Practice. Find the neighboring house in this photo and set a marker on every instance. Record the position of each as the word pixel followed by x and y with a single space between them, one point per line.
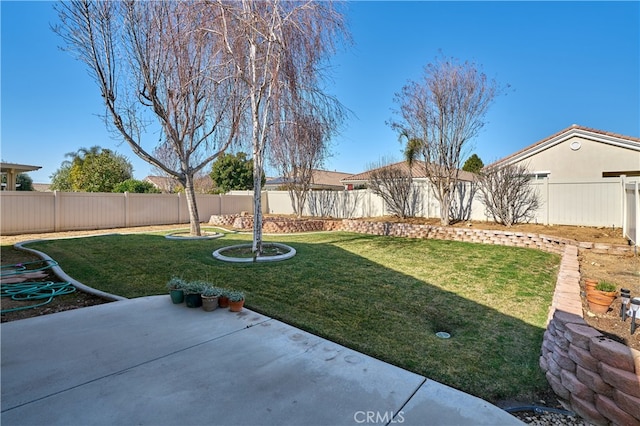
pixel 580 153
pixel 578 175
pixel 12 170
pixel 418 171
pixel 42 187
pixel 320 179
pixel 201 184
pixel 162 183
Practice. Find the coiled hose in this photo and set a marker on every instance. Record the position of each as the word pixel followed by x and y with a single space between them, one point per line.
pixel 34 290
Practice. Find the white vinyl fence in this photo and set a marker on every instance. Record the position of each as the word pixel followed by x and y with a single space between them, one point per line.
pixel 631 211
pixel 582 203
pixel 607 202
pixel 562 202
pixel 35 212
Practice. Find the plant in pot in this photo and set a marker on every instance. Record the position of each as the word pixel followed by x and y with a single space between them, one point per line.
pixel 210 296
pixel 192 294
pixel 236 300
pixel 223 299
pixel 176 289
pixel 601 297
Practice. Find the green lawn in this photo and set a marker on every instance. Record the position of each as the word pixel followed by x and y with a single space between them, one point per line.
pixel 384 296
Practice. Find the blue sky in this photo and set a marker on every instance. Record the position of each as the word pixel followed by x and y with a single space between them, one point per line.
pixel 566 63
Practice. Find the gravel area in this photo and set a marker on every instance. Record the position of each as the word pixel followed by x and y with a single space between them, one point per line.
pixel 549 419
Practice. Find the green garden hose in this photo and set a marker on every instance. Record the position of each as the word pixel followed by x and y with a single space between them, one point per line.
pixel 24 267
pixel 34 290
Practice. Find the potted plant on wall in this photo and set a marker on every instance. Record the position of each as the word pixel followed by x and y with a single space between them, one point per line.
pixel 210 296
pixel 176 289
pixel 601 297
pixel 236 300
pixel 192 294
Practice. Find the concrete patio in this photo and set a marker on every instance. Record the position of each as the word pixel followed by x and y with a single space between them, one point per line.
pixel 146 361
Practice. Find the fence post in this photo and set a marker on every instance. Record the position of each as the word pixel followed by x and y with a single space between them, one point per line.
pixel 547 200
pixel 56 211
pixel 179 206
pixel 636 197
pixel 126 209
pixel 625 226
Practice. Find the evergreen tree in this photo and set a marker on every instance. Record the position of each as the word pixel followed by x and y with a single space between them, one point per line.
pixel 92 170
pixel 232 172
pixel 473 164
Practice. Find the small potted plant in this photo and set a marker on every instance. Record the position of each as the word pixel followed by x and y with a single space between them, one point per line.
pixel 236 300
pixel 176 289
pixel 210 296
pixel 192 294
pixel 223 299
pixel 601 297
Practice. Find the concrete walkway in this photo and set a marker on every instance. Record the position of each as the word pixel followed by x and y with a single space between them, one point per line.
pixel 146 361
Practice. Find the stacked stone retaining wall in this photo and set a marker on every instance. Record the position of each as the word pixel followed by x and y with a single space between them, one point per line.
pixel 594 376
pixel 277 225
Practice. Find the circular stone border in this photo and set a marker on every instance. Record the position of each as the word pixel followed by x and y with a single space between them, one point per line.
pixel 209 236
pixel 218 254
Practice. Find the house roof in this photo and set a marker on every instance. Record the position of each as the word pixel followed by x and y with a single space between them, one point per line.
pixel 614 139
pixel 17 168
pixel 418 171
pixel 319 178
pixel 201 184
pixel 42 187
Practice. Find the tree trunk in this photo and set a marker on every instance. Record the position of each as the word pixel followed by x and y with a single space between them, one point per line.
pixel 194 218
pixel 445 205
pixel 257 206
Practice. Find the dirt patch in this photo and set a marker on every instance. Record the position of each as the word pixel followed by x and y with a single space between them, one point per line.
pixel 624 272
pixel 577 233
pixel 75 300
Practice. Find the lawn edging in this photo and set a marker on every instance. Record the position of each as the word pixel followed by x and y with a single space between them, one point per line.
pixel 57 270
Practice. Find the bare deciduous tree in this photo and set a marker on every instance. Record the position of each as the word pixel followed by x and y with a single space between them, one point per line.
pixel 439 115
pixel 153 61
pixel 300 146
pixel 507 194
pixel 394 184
pixel 279 50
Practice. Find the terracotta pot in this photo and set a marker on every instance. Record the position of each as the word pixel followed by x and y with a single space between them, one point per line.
pixel 223 302
pixel 209 303
pixel 590 285
pixel 599 301
pixel 236 306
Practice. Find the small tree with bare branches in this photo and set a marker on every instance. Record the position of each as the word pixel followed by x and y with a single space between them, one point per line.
pixel 438 116
pixel 300 146
pixel 394 184
pixel 507 194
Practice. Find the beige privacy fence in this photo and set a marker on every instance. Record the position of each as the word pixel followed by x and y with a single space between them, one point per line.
pixel 34 212
pixel 607 202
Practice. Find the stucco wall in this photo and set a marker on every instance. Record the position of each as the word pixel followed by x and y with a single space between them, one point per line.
pixel 587 162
